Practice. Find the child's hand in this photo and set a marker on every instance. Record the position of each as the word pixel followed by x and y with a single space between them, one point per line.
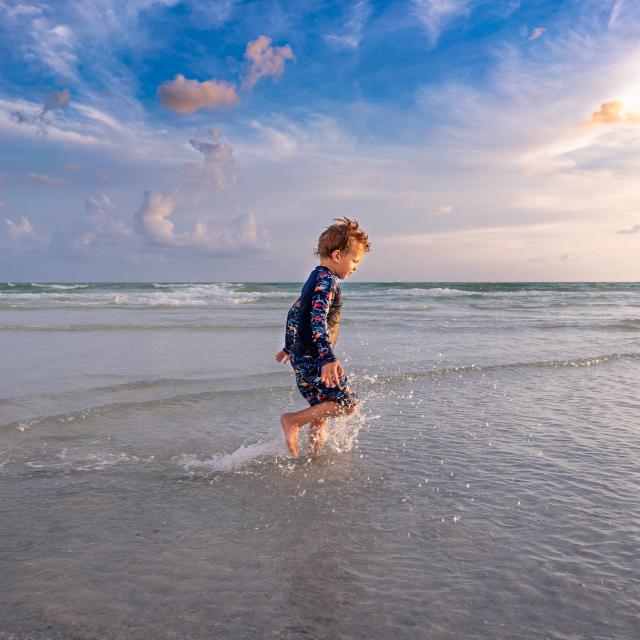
pixel 282 357
pixel 331 374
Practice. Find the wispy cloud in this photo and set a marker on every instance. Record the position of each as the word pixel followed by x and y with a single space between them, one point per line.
pixel 187 96
pixel 351 34
pixel 44 180
pixel 436 15
pixel 38 117
pixel 210 14
pixel 536 33
pixel 53 45
pixel 265 60
pixel 216 172
pixel 632 229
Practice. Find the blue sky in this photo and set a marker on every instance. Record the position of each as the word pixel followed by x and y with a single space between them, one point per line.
pixel 167 140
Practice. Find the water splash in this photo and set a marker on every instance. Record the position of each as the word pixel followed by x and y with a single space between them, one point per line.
pixel 241 457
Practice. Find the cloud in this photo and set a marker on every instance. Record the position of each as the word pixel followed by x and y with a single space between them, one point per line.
pixel 152 218
pixel 56 100
pixel 53 45
pixel 100 117
pixel 187 96
pixel 38 118
pixel 25 228
pixel 536 33
pixel 376 180
pixel 353 31
pixel 216 172
pixel 238 235
pixel 633 229
pixel 229 235
pixel 45 180
pixel 444 209
pixel 99 224
pixel 210 14
pixel 23 235
pixel 436 15
pixel 611 113
pixel 265 60
pixel 284 143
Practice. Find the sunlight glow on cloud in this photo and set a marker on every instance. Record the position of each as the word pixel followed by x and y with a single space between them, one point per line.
pixel 187 96
pixel 265 60
pixel 611 113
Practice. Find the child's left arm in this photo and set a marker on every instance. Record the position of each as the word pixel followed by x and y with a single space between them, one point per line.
pixel 290 333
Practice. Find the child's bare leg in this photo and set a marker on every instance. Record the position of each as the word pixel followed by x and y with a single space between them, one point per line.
pixel 293 422
pixel 317 436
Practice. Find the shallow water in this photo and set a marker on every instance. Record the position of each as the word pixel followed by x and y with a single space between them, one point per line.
pixel 488 489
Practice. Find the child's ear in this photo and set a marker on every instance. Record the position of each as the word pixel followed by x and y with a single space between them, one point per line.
pixel 336 255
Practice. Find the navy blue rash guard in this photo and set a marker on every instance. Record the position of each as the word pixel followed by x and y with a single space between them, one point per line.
pixel 313 321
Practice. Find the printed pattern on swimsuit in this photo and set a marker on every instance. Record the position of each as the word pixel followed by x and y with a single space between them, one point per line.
pixel 313 390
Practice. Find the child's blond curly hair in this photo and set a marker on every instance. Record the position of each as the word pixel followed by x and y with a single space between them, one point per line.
pixel 344 234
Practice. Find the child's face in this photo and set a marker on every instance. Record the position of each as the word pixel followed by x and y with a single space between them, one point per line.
pixel 344 264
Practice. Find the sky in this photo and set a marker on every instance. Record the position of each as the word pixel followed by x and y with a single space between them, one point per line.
pixel 192 140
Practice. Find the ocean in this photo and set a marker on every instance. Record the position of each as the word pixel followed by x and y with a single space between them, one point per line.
pixel 488 488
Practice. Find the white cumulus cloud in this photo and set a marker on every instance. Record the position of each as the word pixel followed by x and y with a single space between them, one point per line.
pixel 236 235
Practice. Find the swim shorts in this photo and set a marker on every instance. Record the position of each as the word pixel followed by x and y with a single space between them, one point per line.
pixel 313 390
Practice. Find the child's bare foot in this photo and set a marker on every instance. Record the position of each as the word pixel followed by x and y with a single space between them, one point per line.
pixel 290 432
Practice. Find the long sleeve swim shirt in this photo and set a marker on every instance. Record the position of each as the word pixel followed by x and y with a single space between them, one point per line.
pixel 314 319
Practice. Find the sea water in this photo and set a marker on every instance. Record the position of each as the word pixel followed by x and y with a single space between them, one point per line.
pixel 488 488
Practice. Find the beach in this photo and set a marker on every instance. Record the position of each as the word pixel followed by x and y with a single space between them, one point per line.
pixel 488 487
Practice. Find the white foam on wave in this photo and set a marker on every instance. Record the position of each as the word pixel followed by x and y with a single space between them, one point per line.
pixel 194 295
pixel 59 286
pixel 169 295
pixel 413 292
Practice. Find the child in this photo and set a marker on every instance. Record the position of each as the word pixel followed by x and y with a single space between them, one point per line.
pixel 312 328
